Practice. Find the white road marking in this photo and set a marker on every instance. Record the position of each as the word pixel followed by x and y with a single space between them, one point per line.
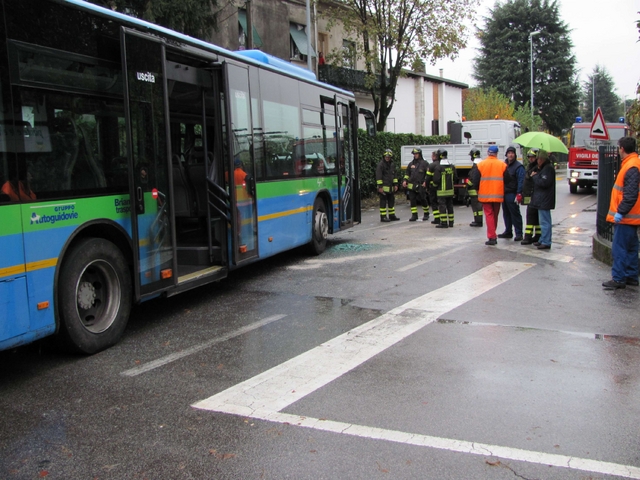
pixel 534 252
pixel 461 446
pixel 265 395
pixel 430 259
pixel 197 348
pixel 275 389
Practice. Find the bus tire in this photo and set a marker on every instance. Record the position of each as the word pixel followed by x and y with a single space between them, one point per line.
pixel 573 188
pixel 94 295
pixel 319 228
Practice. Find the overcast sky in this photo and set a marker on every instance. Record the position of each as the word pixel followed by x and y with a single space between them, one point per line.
pixel 603 32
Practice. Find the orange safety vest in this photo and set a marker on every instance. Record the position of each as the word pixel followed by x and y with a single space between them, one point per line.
pixel 491 188
pixel 633 217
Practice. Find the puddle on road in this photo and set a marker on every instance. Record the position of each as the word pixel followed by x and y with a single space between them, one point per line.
pixel 629 340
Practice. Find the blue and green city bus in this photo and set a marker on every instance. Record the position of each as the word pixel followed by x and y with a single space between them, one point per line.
pixel 137 162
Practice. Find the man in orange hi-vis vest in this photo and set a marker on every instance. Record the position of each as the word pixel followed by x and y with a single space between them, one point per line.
pixel 624 212
pixel 491 191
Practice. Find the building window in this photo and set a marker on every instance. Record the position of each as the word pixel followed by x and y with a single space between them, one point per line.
pixel 349 53
pixel 242 29
pixel 298 43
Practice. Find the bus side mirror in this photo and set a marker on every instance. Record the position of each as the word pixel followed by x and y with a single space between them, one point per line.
pixel 370 121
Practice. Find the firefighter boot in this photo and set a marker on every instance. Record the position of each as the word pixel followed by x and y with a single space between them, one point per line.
pixel 527 240
pixel 425 218
pixel 414 217
pixel 383 218
pixel 451 224
pixel 393 218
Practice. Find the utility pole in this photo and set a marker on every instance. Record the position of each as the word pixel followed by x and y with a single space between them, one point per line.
pixel 249 32
pixel 531 63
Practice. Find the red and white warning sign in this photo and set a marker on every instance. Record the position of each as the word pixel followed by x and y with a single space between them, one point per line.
pixel 598 127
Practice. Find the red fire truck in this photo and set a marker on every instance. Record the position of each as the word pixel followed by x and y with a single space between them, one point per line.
pixel 582 169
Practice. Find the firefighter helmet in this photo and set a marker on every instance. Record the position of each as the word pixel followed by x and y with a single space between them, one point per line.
pixel 441 153
pixel 532 153
pixel 388 153
pixel 474 153
pixel 416 150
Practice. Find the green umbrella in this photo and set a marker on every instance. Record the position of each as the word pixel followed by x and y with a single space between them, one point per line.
pixel 541 140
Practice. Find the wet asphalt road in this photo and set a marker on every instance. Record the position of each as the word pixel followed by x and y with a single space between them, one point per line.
pixel 539 368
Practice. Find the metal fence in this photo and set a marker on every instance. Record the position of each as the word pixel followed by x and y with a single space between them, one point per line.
pixel 608 167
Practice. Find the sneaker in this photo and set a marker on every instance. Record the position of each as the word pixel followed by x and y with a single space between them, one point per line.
pixel 491 241
pixel 632 282
pixel 613 285
pixel 505 235
pixel 393 218
pixel 518 238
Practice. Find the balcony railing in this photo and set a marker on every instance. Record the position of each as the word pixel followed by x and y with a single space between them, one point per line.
pixel 347 78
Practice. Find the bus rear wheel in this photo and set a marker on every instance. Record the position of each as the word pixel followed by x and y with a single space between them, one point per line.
pixel 319 228
pixel 94 294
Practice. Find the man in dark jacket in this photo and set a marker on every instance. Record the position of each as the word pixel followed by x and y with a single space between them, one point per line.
pixel 444 179
pixel 415 183
pixel 472 188
pixel 512 197
pixel 431 188
pixel 532 228
pixel 387 183
pixel 544 197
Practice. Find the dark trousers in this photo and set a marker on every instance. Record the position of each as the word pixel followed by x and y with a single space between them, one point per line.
pixel 533 223
pixel 476 206
pixel 624 250
pixel 387 204
pixel 418 197
pixel 511 214
pixel 445 208
pixel 433 200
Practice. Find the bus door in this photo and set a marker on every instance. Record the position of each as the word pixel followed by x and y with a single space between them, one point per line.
pixel 146 115
pixel 347 177
pixel 240 168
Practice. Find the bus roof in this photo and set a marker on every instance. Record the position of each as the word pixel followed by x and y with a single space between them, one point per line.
pixel 254 57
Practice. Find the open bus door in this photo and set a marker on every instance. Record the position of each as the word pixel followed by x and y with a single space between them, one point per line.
pixel 149 187
pixel 240 168
pixel 349 197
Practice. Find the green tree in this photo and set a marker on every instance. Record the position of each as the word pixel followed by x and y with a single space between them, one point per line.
pixel 605 98
pixel 482 104
pixel 633 112
pixel 504 59
pixel 479 104
pixel 390 35
pixel 195 18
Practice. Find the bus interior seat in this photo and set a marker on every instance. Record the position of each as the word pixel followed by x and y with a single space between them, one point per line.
pixel 182 196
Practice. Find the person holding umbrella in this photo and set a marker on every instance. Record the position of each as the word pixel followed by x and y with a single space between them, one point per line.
pixel 544 197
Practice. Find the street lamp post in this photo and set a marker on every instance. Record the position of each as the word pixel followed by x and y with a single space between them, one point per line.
pixel 531 63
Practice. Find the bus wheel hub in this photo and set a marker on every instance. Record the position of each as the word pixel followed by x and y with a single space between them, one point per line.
pixel 86 295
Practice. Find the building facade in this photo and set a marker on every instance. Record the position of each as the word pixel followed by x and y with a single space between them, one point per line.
pixel 424 103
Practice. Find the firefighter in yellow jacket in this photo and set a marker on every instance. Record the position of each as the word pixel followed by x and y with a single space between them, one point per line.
pixel 444 179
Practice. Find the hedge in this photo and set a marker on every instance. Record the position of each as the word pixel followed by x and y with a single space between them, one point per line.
pixel 370 150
